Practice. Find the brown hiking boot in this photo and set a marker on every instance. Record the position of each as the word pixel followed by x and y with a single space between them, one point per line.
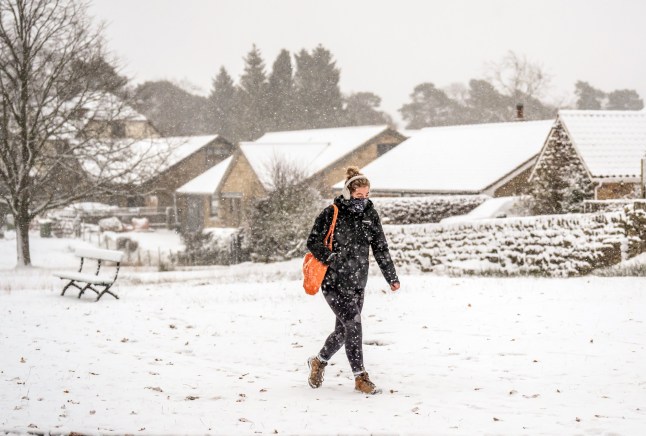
pixel 363 384
pixel 317 368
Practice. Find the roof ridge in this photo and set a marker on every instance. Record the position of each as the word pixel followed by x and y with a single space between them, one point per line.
pixel 488 125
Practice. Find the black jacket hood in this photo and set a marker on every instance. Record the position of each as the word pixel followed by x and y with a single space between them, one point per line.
pixel 354 234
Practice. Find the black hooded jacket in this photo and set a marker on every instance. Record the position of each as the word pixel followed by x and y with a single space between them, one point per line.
pixel 354 234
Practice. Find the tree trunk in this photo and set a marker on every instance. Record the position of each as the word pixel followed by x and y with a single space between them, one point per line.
pixel 22 239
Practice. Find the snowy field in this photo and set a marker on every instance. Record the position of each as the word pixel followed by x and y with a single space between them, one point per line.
pixel 222 350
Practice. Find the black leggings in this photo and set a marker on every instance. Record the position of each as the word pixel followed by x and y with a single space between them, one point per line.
pixel 346 305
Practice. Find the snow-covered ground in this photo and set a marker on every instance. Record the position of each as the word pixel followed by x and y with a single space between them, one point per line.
pixel 222 350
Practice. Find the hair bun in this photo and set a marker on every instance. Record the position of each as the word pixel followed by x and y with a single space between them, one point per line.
pixel 351 172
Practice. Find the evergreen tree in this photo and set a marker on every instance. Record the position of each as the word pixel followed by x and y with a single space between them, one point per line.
pixel 223 107
pixel 362 108
pixel 560 182
pixel 430 107
pixel 588 97
pixel 319 100
pixel 102 75
pixel 172 110
pixel 253 96
pixel 281 94
pixel 624 99
pixel 536 109
pixel 486 104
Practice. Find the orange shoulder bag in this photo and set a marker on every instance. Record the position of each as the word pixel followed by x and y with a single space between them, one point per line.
pixel 313 269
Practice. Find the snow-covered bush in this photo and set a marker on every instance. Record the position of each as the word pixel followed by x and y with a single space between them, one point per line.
pixel 634 225
pixel 420 210
pixel 126 244
pixel 210 247
pixel 280 223
pixel 556 245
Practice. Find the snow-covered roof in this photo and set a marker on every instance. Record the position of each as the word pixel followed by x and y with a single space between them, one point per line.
pixel 493 208
pixel 308 150
pixel 611 143
pixel 92 106
pixel 173 150
pixel 467 158
pixel 408 132
pixel 109 107
pixel 148 157
pixel 207 183
pixel 103 106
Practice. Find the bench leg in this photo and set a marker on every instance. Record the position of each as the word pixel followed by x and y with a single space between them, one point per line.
pixel 107 291
pixel 71 283
pixel 88 286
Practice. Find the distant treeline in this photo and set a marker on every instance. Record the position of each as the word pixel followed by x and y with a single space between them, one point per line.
pixel 302 92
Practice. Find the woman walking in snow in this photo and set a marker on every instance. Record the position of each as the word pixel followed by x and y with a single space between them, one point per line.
pixel 357 229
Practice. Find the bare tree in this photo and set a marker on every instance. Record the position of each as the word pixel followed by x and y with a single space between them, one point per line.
pixel 54 125
pixel 518 77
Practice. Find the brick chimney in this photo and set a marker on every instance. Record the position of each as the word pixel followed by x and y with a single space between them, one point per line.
pixel 520 114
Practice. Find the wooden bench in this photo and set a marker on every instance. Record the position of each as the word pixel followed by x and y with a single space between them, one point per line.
pixel 98 283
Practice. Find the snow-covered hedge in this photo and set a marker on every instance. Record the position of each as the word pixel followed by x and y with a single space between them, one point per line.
pixel 212 246
pixel 419 210
pixel 555 245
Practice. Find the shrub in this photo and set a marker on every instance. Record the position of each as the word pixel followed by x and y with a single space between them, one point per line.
pixel 280 223
pixel 202 248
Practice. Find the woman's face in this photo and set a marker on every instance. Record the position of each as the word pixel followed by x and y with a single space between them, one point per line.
pixel 361 192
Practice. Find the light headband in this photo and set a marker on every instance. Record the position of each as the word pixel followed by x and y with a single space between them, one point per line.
pixel 346 191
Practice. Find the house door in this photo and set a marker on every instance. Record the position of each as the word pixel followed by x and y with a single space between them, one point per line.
pixel 195 215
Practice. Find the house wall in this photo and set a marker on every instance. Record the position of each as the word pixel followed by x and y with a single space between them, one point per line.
pixel 241 185
pixel 140 130
pixel 163 186
pixel 516 186
pixel 121 129
pixel 361 157
pixel 618 190
pixel 238 189
pixel 559 168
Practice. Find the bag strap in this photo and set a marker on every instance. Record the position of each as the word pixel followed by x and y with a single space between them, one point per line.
pixel 330 233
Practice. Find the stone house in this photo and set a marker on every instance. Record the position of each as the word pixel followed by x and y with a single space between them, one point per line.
pixel 172 162
pixel 493 159
pixel 221 197
pixel 105 116
pixel 607 149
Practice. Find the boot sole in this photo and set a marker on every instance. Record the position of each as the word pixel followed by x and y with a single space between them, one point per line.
pixel 309 366
pixel 375 392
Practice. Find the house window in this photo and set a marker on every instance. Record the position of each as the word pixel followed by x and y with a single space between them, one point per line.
pixel 118 129
pixel 152 201
pixel 215 202
pixel 232 206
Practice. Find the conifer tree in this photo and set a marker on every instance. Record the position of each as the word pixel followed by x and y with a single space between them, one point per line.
pixel 362 108
pixel 224 105
pixel 487 104
pixel 253 96
pixel 429 107
pixel 319 99
pixel 281 97
pixel 560 182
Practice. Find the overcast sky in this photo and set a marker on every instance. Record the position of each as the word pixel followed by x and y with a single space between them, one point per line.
pixel 383 46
